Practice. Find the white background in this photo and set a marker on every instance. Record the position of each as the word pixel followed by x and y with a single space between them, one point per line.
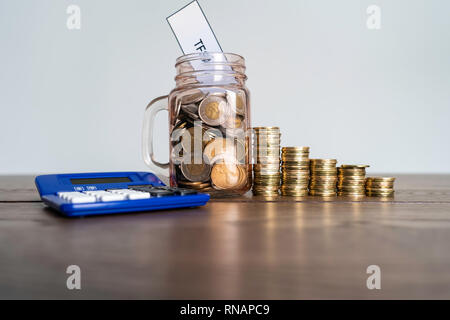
pixel 73 100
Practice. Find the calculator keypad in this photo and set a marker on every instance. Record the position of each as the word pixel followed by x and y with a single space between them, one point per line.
pixel 106 196
pixel 132 193
pixel 77 197
pixel 164 190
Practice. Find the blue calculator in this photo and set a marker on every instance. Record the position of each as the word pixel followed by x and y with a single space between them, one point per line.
pixel 82 194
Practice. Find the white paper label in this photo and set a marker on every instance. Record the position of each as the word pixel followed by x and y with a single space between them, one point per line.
pixel 192 30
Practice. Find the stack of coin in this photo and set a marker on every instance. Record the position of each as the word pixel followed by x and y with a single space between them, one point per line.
pixel 380 186
pixel 351 179
pixel 323 177
pixel 266 169
pixel 295 171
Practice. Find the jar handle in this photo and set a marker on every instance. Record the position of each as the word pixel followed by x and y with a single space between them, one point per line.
pixel 155 106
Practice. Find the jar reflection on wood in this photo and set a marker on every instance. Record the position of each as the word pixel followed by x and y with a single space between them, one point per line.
pixel 209 123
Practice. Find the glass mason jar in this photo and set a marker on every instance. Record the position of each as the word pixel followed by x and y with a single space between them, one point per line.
pixel 209 123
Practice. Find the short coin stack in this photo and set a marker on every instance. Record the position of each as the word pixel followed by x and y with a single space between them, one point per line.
pixel 380 186
pixel 295 171
pixel 351 180
pixel 323 177
pixel 266 169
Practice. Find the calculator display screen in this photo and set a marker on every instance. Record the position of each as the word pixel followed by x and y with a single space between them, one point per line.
pixel 100 180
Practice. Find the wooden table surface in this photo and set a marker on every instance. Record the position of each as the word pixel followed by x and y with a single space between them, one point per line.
pixel 239 248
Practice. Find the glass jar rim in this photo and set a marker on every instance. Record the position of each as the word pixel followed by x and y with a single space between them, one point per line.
pixel 209 54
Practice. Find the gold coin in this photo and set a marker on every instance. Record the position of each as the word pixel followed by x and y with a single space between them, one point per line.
pixel 351 166
pixel 212 110
pixel 292 188
pixel 323 161
pixel 359 186
pixel 273 148
pixel 267 162
pixel 295 176
pixel 259 166
pixel 225 176
pixel 379 189
pixel 273 176
pixel 295 164
pixel 380 194
pixel 351 170
pixel 294 193
pixel 351 188
pixel 295 149
pixel 266 128
pixel 323 178
pixel 389 185
pixel 380 179
pixel 349 194
pixel 352 181
pixel 322 194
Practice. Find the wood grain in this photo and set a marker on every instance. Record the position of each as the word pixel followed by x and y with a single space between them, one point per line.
pixel 245 248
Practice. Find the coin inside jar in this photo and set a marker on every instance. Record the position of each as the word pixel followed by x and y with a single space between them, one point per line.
pixel 192 96
pixel 233 122
pixel 225 175
pixel 191 110
pixel 236 102
pixel 240 104
pixel 192 139
pixel 219 146
pixel 196 172
pixel 242 176
pixel 212 110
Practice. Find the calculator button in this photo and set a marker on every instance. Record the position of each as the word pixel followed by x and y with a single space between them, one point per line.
pixel 83 199
pixel 161 193
pixel 76 197
pixel 141 188
pixel 138 195
pixel 185 192
pixel 106 196
pixel 180 191
pixel 131 194
pixel 112 197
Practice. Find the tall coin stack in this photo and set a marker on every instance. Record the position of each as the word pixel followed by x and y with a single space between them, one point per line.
pixel 380 186
pixel 351 180
pixel 323 177
pixel 266 170
pixel 294 171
